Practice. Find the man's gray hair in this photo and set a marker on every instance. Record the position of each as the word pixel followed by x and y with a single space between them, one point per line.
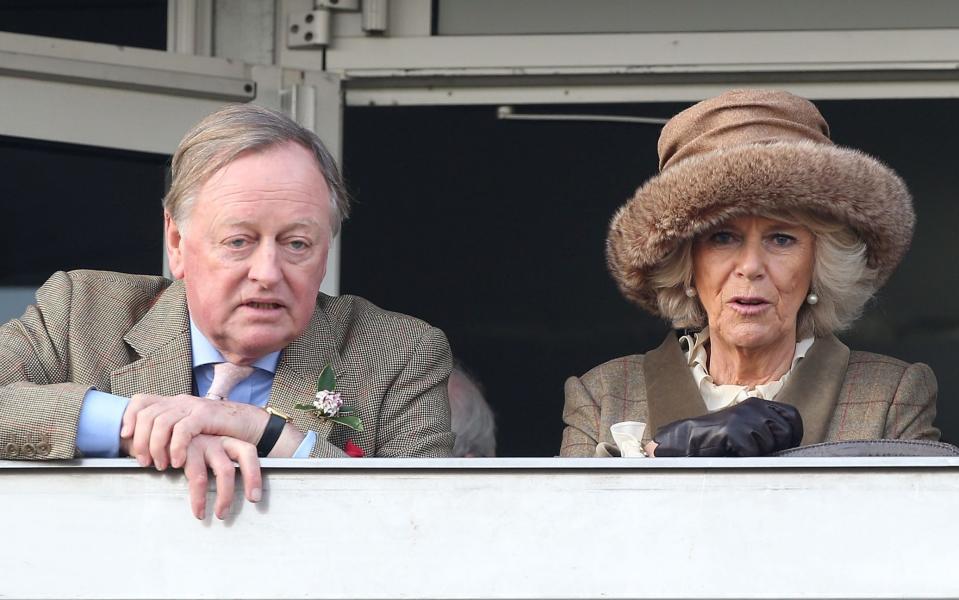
pixel 222 137
pixel 473 421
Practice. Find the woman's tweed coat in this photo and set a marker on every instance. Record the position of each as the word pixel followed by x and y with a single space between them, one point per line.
pixel 841 396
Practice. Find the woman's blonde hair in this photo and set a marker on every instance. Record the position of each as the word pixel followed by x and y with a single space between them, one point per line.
pixel 841 278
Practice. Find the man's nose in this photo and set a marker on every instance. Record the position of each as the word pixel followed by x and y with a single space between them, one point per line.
pixel 264 265
pixel 751 261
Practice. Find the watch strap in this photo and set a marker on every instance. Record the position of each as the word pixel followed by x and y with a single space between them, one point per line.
pixel 272 432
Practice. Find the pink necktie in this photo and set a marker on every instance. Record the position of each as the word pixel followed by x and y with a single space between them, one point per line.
pixel 225 377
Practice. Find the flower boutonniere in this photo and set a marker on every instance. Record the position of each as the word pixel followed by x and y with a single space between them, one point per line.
pixel 328 405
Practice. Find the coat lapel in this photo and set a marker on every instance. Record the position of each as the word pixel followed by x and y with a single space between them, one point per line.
pixel 671 392
pixel 162 340
pixel 814 386
pixel 299 368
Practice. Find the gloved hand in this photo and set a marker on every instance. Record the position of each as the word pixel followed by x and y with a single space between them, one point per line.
pixel 754 427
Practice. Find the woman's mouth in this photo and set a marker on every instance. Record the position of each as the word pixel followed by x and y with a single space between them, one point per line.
pixel 749 305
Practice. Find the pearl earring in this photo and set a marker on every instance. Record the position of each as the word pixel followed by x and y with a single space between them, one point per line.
pixel 690 292
pixel 812 298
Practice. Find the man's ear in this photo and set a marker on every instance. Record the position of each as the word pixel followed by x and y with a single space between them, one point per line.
pixel 173 241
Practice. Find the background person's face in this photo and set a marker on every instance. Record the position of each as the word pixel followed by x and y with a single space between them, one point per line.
pixel 253 251
pixel 752 275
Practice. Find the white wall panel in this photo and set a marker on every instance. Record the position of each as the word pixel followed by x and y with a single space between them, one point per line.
pixel 490 528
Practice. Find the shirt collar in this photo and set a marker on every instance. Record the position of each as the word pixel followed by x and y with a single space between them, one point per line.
pixel 719 396
pixel 205 353
pixel 695 348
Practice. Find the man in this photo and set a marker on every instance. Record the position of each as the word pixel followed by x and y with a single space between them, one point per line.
pixel 472 418
pixel 106 364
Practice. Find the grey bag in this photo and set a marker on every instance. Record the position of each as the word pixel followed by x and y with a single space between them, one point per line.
pixel 873 448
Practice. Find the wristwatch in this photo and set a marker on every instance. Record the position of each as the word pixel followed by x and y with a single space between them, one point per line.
pixel 274 427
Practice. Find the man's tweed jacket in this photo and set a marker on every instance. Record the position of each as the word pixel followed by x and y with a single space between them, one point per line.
pixel 127 334
pixel 841 395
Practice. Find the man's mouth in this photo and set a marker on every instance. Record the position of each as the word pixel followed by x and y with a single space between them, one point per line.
pixel 263 305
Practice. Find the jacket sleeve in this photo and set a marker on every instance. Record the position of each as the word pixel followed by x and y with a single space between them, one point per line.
pixel 581 414
pixel 414 415
pixel 39 409
pixel 913 407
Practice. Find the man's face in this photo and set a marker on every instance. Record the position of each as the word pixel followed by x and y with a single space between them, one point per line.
pixel 252 252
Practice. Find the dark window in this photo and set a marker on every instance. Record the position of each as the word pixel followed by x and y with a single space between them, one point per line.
pixel 139 23
pixel 494 231
pixel 67 206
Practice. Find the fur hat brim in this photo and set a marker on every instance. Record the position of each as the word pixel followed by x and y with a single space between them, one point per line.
pixel 706 190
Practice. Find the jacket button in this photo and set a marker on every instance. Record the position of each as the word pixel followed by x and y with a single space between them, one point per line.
pixel 43 448
pixel 29 450
pixel 12 449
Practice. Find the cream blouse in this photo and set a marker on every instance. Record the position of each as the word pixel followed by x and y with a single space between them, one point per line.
pixel 721 396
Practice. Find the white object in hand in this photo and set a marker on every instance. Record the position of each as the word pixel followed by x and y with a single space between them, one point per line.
pixel 629 438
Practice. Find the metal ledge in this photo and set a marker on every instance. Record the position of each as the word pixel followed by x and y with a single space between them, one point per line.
pixel 541 464
pixel 147 79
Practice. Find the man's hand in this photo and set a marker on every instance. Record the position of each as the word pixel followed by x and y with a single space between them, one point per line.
pixel 754 427
pixel 159 429
pixel 218 453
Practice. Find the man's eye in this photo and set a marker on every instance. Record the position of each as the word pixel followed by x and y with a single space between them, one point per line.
pixel 236 243
pixel 298 245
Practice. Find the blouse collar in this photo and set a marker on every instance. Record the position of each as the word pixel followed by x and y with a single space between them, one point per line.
pixel 721 396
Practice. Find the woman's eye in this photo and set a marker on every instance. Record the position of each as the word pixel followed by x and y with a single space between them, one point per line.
pixel 721 237
pixel 783 239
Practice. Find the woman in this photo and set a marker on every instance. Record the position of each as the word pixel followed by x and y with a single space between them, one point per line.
pixel 761 239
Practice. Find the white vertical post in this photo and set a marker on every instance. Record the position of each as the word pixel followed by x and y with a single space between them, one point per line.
pixel 317 104
pixel 190 27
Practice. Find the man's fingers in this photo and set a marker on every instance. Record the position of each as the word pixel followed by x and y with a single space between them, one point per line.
pixel 225 474
pixel 163 425
pixel 180 439
pixel 245 454
pixel 137 403
pixel 197 479
pixel 141 434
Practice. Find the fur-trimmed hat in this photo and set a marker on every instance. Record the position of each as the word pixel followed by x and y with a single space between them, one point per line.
pixel 750 151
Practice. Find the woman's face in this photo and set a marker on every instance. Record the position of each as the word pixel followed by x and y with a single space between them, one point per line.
pixel 752 275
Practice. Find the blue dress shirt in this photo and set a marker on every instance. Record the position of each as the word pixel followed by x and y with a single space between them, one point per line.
pixel 98 431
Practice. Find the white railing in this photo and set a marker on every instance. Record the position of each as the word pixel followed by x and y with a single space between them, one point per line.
pixel 490 528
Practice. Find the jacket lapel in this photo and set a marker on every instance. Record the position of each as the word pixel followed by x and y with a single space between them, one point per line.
pixel 162 340
pixel 299 368
pixel 671 392
pixel 813 388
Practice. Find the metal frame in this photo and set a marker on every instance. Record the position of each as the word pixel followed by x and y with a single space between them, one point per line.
pixel 102 95
pixel 515 69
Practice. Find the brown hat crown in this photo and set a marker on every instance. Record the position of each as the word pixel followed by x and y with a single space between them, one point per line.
pixel 740 117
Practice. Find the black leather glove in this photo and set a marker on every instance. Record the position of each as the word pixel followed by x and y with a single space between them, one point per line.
pixel 754 427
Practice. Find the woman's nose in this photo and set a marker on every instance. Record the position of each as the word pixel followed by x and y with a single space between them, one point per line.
pixel 751 262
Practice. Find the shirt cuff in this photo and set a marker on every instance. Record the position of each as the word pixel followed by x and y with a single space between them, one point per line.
pixel 98 430
pixel 306 446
